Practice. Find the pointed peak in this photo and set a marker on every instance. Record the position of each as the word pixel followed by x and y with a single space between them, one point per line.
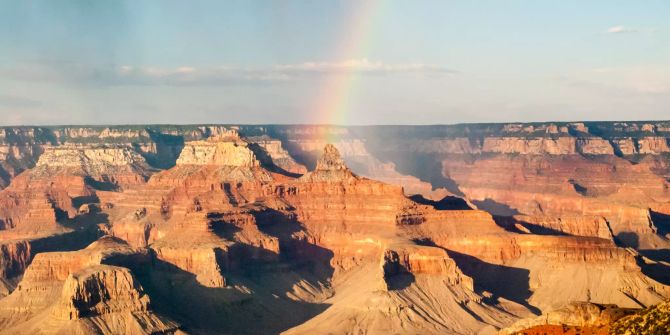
pixel 330 160
pixel 330 168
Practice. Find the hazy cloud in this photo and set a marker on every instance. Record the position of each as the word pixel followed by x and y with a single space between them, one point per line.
pixel 621 30
pixel 110 75
pixel 361 66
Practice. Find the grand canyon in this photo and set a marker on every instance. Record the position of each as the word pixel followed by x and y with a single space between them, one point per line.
pixel 500 228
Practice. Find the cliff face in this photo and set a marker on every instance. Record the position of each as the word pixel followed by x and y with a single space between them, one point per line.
pixel 399 229
pixel 567 188
pixel 78 293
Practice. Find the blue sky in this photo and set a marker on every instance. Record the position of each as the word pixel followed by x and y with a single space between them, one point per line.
pixel 411 62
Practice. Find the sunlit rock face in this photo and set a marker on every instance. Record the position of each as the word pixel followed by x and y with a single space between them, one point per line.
pixel 214 152
pixel 460 229
pixel 79 293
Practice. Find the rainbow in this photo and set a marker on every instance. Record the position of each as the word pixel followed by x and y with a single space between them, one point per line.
pixel 333 101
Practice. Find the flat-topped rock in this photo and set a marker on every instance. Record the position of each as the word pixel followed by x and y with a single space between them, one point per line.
pixel 90 157
pixel 218 151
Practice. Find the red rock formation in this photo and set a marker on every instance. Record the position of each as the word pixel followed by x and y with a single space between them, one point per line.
pixel 74 291
pixel 98 290
pixel 577 225
pixel 564 188
pixel 277 155
pixel 232 224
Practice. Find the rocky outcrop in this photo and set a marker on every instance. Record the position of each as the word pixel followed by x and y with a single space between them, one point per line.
pixel 219 152
pixel 106 166
pixel 625 146
pixel 565 187
pixel 594 146
pixel 653 145
pixel 207 264
pixel 652 320
pixel 528 146
pixel 417 259
pixel 583 317
pixel 78 293
pixel 576 314
pixel 14 258
pixel 278 156
pixel 578 225
pixel 99 290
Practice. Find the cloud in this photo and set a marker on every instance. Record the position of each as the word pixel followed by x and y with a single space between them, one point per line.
pixel 114 75
pixel 361 66
pixel 622 30
pixel 628 30
pixel 188 75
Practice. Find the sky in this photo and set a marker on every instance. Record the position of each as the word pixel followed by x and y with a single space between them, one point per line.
pixel 354 62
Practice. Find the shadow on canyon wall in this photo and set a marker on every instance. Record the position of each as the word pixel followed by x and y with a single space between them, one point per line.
pixel 657 263
pixel 259 283
pixel 446 203
pixel 658 270
pixel 495 208
pixel 426 167
pixel 510 223
pixel 502 281
pixel 267 163
pixel 168 148
pixel 627 239
pixel 661 221
pixel 251 307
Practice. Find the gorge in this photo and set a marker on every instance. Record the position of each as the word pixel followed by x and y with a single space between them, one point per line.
pixel 300 229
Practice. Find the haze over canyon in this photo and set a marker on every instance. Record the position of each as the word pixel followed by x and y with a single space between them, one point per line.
pixel 531 228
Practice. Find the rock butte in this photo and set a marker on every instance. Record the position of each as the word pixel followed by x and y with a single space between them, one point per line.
pixel 471 229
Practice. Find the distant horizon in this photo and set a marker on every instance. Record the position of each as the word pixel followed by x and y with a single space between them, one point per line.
pixel 321 125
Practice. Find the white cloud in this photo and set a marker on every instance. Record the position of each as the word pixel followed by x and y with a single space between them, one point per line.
pixel 621 30
pixel 110 75
pixel 361 66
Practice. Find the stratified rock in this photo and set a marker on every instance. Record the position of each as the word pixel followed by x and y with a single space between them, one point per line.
pixel 278 155
pixel 653 145
pixel 117 164
pixel 228 239
pixel 330 167
pixel 75 292
pixel 215 152
pixel 577 225
pixel 417 259
pixel 98 290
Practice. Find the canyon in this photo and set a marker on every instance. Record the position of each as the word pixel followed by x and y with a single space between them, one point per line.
pixel 301 229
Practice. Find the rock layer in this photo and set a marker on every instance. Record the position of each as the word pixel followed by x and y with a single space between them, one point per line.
pixel 226 229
